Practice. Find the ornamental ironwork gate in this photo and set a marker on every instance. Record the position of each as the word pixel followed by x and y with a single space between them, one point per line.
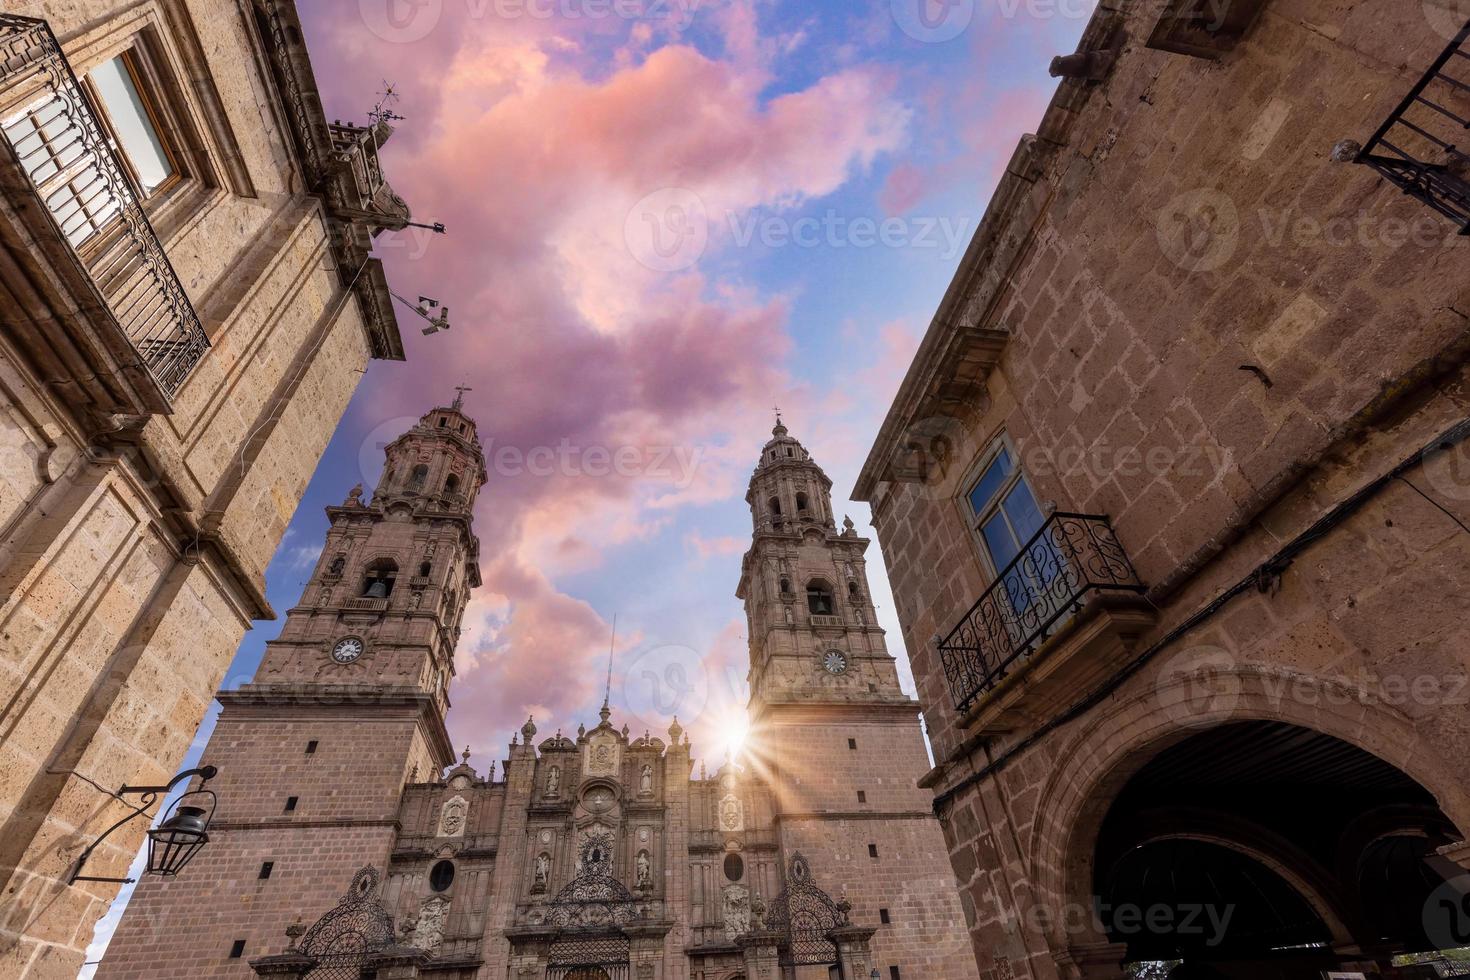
pixel 343 938
pixel 803 915
pixel 589 958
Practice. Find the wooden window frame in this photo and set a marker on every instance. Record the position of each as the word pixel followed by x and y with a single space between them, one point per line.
pixel 134 60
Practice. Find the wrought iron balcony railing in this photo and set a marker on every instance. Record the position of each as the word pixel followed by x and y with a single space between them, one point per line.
pixel 1421 147
pixel 74 170
pixel 1071 558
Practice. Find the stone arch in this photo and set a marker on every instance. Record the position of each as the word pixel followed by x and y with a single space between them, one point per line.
pixel 1092 767
pixel 1274 853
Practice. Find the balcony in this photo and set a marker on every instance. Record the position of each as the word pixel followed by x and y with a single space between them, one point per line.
pixel 1421 148
pixel 1066 580
pixel 79 209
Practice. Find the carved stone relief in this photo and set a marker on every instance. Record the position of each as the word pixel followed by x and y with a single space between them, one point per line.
pixel 602 754
pixel 737 911
pixel 452 817
pixel 732 813
pixel 429 932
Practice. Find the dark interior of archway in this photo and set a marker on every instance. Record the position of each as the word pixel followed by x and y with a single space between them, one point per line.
pixel 1357 826
pixel 1182 899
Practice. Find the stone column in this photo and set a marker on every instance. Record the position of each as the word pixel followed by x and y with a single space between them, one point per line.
pixel 853 951
pixel 762 955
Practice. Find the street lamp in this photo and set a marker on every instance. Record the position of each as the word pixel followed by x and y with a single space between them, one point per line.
pixel 175 841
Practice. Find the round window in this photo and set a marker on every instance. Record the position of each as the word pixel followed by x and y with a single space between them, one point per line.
pixel 441 876
pixel 734 867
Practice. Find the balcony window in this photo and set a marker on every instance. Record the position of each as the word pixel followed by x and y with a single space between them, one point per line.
pixel 55 154
pixel 133 121
pixel 93 151
pixel 1005 515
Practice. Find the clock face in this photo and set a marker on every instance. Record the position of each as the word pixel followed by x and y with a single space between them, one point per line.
pixel 348 650
pixel 835 662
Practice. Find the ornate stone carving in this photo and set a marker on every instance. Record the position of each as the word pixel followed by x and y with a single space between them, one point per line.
pixel 732 814
pixel 429 932
pixel 645 871
pixel 594 898
pixel 553 781
pixel 602 754
pixel 452 817
pixel 541 874
pixel 737 911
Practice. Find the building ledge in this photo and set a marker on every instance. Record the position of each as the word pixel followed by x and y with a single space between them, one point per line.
pixel 1090 647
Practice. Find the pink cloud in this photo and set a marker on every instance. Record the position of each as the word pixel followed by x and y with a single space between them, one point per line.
pixel 571 344
pixel 721 547
pixel 902 189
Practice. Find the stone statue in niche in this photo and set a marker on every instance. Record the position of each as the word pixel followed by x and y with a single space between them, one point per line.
pixel 452 817
pixel 553 781
pixel 737 911
pixel 339 564
pixel 645 782
pixel 645 871
pixel 429 932
pixel 542 873
pixel 790 616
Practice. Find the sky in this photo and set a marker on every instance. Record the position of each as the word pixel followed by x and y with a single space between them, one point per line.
pixel 664 218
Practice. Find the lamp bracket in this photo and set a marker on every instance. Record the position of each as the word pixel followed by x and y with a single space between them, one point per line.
pixel 150 795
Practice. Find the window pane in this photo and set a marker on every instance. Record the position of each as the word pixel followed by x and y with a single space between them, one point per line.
pixel 990 482
pixel 1001 542
pixel 140 141
pixel 1020 506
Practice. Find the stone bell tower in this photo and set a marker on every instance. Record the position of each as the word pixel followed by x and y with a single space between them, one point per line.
pixel 347 706
pixel 814 637
pixel 832 730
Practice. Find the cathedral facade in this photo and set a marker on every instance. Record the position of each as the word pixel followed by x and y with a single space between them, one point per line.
pixel 350 841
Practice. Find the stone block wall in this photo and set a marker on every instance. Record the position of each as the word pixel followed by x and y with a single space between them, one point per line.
pixel 130 567
pixel 1217 335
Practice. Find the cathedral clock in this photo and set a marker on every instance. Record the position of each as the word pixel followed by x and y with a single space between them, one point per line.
pixel 835 662
pixel 347 650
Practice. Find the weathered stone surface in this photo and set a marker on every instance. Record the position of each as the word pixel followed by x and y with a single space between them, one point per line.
pixel 133 550
pixel 1217 336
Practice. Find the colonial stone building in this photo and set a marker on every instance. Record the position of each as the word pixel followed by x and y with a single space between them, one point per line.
pixel 596 854
pixel 187 302
pixel 1174 502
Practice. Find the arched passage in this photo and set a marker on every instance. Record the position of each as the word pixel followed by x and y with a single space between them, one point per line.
pixel 1240 848
pixel 1092 768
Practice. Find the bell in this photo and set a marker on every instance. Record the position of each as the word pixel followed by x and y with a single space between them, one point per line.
pixel 378 589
